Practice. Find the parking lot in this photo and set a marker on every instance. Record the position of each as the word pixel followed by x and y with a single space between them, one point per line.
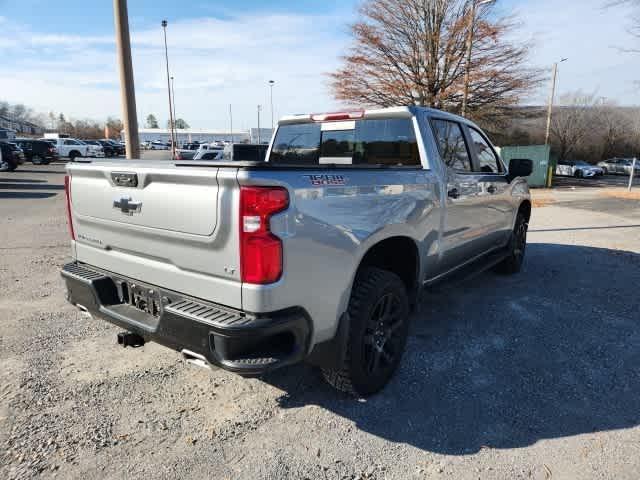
pixel 531 376
pixel 604 181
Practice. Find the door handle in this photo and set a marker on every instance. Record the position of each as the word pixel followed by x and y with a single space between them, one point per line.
pixel 492 189
pixel 453 193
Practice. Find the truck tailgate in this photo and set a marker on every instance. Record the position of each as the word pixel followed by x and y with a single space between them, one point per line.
pixel 161 224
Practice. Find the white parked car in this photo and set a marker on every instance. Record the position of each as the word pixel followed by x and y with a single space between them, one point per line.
pixel 157 145
pixel 73 148
pixel 578 169
pixel 619 166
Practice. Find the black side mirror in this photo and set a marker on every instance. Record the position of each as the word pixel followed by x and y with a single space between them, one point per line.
pixel 520 167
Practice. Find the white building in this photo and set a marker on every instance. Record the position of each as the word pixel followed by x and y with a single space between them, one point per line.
pixel 195 135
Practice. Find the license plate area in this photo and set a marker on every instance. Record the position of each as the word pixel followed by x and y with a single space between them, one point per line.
pixel 145 299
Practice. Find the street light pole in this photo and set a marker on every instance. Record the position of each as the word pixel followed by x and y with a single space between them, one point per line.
pixel 127 88
pixel 552 97
pixel 231 122
pixel 467 72
pixel 175 116
pixel 271 82
pixel 166 56
pixel 259 108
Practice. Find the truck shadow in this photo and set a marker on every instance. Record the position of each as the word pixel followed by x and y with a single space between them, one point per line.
pixel 503 362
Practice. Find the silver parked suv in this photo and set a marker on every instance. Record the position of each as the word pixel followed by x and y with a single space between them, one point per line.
pixel 317 253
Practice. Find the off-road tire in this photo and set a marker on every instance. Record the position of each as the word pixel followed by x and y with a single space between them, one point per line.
pixel 517 248
pixel 371 288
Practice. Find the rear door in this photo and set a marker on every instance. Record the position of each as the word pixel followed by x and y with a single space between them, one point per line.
pixel 465 231
pixel 164 225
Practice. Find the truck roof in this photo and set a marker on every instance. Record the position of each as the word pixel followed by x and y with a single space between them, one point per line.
pixel 373 113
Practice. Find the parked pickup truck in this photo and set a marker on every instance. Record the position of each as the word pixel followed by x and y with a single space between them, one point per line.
pixel 194 150
pixel 317 254
pixel 72 148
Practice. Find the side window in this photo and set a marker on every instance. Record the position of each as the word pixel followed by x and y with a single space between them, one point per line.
pixel 487 159
pixel 209 156
pixel 452 145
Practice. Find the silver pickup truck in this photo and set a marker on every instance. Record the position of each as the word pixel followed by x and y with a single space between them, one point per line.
pixel 317 254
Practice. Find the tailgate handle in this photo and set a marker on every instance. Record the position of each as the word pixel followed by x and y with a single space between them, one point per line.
pixel 127 205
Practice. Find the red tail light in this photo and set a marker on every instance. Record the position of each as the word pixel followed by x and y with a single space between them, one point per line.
pixel 260 250
pixel 67 193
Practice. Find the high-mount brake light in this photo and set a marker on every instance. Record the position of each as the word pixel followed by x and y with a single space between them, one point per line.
pixel 337 116
pixel 67 193
pixel 260 250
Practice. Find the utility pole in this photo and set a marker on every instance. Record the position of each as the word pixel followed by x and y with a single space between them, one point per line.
pixel 171 124
pixel 552 97
pixel 175 116
pixel 271 82
pixel 467 72
pixel 127 88
pixel 633 171
pixel 259 108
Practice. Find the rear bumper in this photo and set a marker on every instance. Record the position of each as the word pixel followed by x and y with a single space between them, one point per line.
pixel 237 341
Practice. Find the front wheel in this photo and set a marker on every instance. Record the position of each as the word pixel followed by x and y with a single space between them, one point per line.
pixel 379 325
pixel 517 246
pixel 605 171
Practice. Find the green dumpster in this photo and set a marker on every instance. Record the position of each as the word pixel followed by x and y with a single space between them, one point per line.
pixel 538 154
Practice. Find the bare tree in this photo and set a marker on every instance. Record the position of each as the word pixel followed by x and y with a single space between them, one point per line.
pixel 615 127
pixel 571 122
pixel 412 52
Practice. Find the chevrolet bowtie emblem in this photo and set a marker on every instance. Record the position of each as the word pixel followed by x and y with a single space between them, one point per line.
pixel 127 205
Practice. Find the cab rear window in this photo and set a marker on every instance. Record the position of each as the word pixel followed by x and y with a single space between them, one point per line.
pixel 384 142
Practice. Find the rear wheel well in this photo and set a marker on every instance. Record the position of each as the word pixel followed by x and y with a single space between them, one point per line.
pixel 398 255
pixel 525 209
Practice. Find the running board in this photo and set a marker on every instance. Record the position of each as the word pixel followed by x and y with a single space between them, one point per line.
pixel 469 271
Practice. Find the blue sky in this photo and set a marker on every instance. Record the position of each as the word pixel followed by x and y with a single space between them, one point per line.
pixel 60 55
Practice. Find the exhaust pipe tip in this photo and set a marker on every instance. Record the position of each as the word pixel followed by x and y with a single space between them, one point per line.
pixel 84 311
pixel 196 359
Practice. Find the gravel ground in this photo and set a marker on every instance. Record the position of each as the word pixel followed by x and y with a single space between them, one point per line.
pixel 531 376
